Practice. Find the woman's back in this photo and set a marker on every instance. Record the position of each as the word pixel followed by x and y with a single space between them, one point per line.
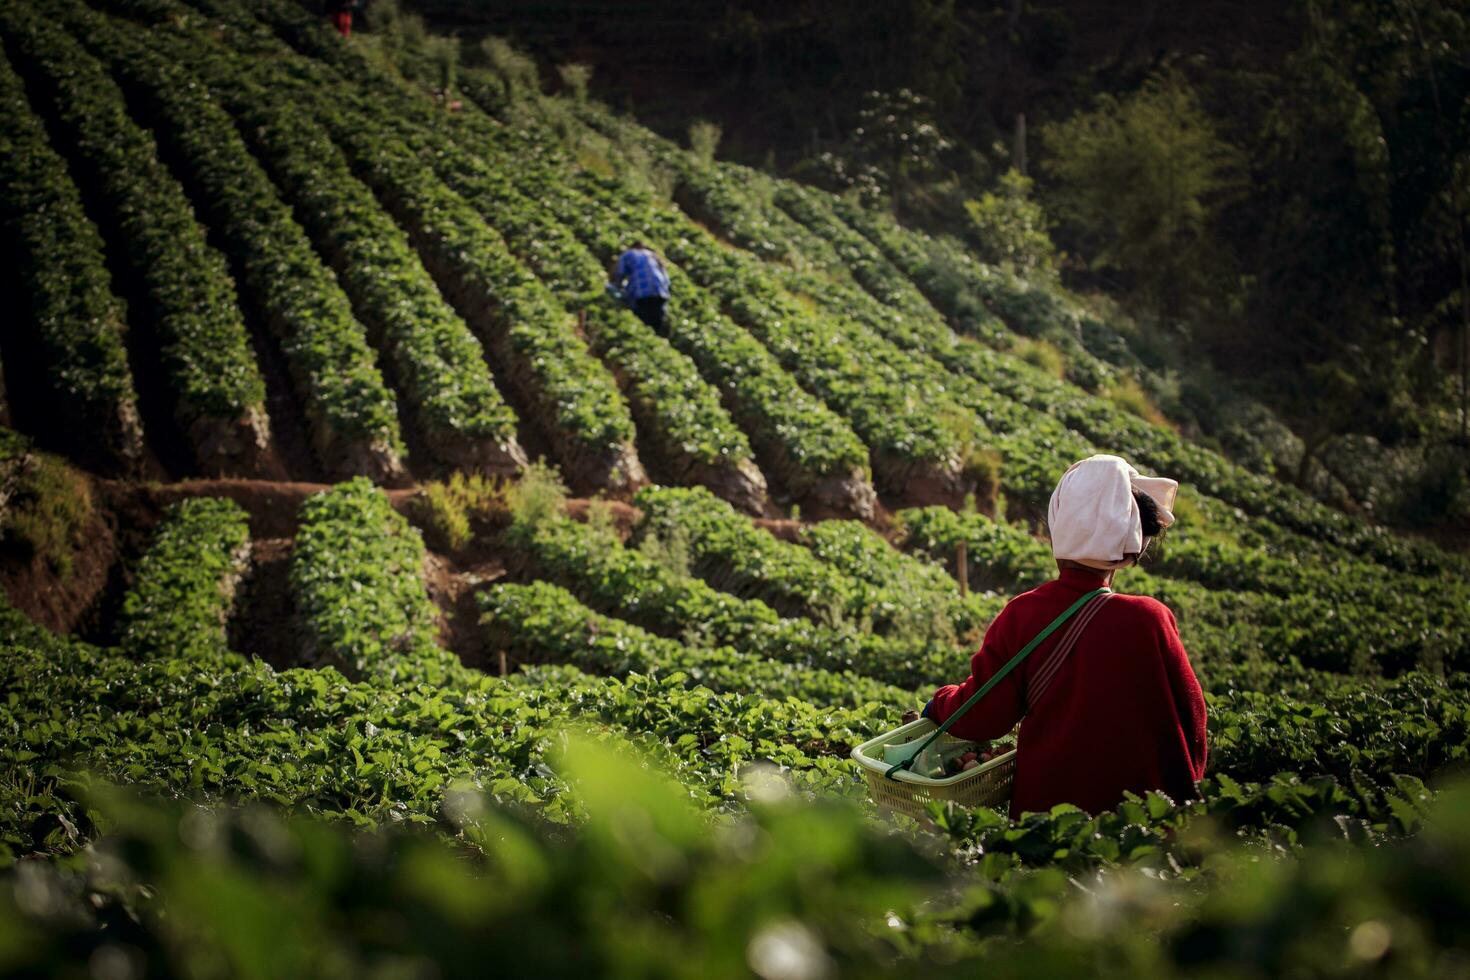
pixel 1123 712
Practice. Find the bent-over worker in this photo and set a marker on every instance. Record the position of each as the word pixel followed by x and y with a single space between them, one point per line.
pixel 341 12
pixel 1120 709
pixel 640 275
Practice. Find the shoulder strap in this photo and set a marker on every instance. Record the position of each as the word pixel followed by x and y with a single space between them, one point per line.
pixel 1042 678
pixel 999 675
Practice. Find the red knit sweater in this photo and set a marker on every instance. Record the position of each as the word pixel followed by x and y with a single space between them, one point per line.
pixel 1125 712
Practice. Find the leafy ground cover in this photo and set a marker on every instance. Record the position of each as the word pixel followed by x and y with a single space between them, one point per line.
pixel 353 415
pixel 1336 617
pixel 356 569
pixel 438 361
pixel 184 588
pixel 542 621
pixel 659 783
pixel 677 412
pixel 807 446
pixel 648 586
pixel 219 394
pixel 55 260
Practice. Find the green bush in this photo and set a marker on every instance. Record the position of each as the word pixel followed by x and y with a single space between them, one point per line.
pixel 704 139
pixel 1129 395
pixel 184 587
pixel 47 513
pixel 449 508
pixel 575 78
pixel 645 887
pixel 1141 178
pixel 517 71
pixel 538 496
pixel 1012 229
pixel 1041 354
pixel 444 53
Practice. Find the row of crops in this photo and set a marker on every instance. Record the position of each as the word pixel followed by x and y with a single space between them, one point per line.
pixel 767 384
pixel 469 193
pixel 691 668
pixel 590 618
pixel 650 775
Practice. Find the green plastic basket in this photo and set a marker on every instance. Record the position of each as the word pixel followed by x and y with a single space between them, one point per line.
pixel 988 784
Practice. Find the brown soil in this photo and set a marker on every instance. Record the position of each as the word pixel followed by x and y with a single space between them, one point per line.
pixel 71 602
pixel 264 620
pixel 625 516
pixel 848 497
pixel 290 455
pixel 272 506
pixel 782 528
pixel 928 484
pixel 453 588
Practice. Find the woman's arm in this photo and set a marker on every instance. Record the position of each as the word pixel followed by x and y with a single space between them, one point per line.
pixel 1189 699
pixel 1000 709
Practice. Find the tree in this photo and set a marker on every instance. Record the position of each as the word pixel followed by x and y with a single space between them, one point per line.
pixel 896 133
pixel 1359 258
pixel 1140 179
pixel 1011 228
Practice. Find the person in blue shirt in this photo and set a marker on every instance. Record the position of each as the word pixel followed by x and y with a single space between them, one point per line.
pixel 640 277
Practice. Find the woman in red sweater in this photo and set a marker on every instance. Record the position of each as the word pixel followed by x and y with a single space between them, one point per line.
pixel 1109 702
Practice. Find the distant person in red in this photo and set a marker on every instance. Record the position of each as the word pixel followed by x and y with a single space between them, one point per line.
pixel 1123 709
pixel 341 13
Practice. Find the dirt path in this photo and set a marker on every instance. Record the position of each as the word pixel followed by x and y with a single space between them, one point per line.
pixel 272 505
pixel 264 619
pixel 84 601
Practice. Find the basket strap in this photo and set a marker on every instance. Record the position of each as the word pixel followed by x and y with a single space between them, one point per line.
pixel 999 675
pixel 1042 678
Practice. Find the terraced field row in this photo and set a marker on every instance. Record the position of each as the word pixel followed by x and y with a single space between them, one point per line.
pixel 450 402
pixel 1022 429
pixel 564 224
pixel 411 720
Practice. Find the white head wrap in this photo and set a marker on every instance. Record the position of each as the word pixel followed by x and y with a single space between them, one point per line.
pixel 1093 516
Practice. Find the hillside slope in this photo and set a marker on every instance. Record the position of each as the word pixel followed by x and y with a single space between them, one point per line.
pixel 385 303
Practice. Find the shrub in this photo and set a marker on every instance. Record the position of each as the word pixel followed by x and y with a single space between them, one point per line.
pixel 444 53
pixel 1012 229
pixel 412 31
pixel 575 77
pixel 1042 354
pixel 670 550
pixel 1129 395
pixel 537 496
pixel 896 134
pixel 1141 179
pixel 517 71
pixel 704 139
pixel 47 513
pixel 447 509
pixel 983 466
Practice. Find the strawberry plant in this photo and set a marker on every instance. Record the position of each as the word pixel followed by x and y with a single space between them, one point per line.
pixel 438 361
pixel 56 255
pixel 184 588
pixel 356 573
pixel 799 438
pixel 541 620
pixel 678 413
pixel 219 392
pixel 354 419
pixel 734 555
pixel 631 585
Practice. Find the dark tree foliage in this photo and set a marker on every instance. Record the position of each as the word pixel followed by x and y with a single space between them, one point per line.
pixel 1356 256
pixel 1332 280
